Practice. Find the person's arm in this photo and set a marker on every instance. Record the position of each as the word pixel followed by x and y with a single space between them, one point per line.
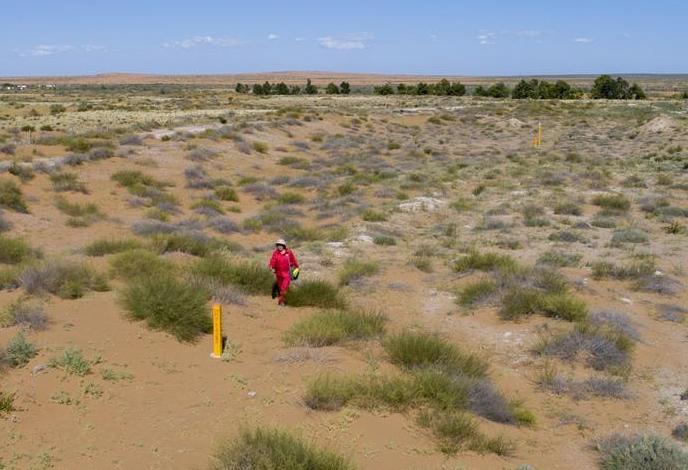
pixel 292 259
pixel 271 263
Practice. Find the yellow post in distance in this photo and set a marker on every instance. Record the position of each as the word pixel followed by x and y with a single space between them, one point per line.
pixel 217 331
pixel 539 134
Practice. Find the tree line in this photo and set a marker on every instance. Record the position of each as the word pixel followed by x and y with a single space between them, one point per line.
pixel 282 88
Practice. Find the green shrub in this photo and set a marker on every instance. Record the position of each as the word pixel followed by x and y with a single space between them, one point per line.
pixel 417 350
pixel 559 259
pixel 72 362
pixel 628 235
pixel 19 351
pixel 384 240
pixel 291 198
pixel 331 327
pixel 108 246
pixel 67 182
pixel 207 203
pixel 370 215
pixel 354 269
pixel 11 197
pixel 68 280
pixel 316 293
pixel 641 453
pixel 615 202
pixel 568 208
pixel 82 215
pixel 269 449
pixel 136 263
pixel 132 179
pixel 634 270
pixel 485 262
pixel 251 277
pixel 518 302
pixel 260 147
pixel 476 292
pixel 168 304
pixel 331 392
pixel 14 250
pixel 455 431
pixel 226 193
pixel 6 402
pixel 184 242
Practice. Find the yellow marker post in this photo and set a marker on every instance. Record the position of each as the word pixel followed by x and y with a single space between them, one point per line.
pixel 539 134
pixel 217 331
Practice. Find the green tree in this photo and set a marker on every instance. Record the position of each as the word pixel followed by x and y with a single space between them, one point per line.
pixel 281 89
pixel 385 89
pixel 457 89
pixel 524 90
pixel 636 92
pixel 402 89
pixel 257 89
pixel 295 90
pixel 310 89
pixel 345 88
pixel 499 90
pixel 332 89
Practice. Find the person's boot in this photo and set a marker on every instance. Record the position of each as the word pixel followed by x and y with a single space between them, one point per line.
pixel 275 290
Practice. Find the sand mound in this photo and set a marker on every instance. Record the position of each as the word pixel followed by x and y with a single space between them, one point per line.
pixel 658 125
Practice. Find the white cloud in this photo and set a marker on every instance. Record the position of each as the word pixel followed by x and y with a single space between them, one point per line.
pixel 348 42
pixel 529 33
pixel 204 40
pixel 43 50
pixel 582 40
pixel 93 48
pixel 272 36
pixel 300 39
pixel 486 38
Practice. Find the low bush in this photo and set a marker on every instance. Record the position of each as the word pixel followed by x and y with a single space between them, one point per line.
pixel 6 402
pixel 81 215
pixel 354 269
pixel 291 198
pixel 332 327
pixel 614 202
pixel 67 181
pixel 251 277
pixel 559 259
pixel 370 215
pixel 315 293
pixel 485 262
pixel 269 449
pixel 26 313
pixel 413 350
pixel 136 263
pixel 168 304
pixel 635 270
pixel 628 235
pixel 11 197
pixel 69 280
pixel 477 292
pixel 72 362
pixel 384 240
pixel 226 193
pixel 189 242
pixel 108 246
pixel 15 250
pixel 648 452
pixel 19 351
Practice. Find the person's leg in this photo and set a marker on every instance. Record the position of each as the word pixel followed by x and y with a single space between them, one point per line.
pixel 275 288
pixel 283 288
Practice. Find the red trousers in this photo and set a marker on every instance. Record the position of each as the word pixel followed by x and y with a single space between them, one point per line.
pixel 283 280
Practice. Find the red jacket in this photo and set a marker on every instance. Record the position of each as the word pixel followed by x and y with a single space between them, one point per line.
pixel 282 262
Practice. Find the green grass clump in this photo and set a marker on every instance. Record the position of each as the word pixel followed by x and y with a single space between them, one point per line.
pixel 72 362
pixel 384 240
pixel 82 215
pixel 413 350
pixel 628 235
pixel 14 250
pixel 332 327
pixel 68 280
pixel 260 147
pixel 641 453
pixel 271 449
pixel 168 304
pixel 67 182
pixel 370 215
pixel 291 198
pixel 354 269
pixel 559 259
pixel 485 262
pixel 184 243
pixel 139 263
pixel 519 302
pixel 19 351
pixel 226 193
pixel 108 246
pixel 11 197
pixel 207 203
pixel 476 292
pixel 315 293
pixel 637 269
pixel 614 202
pixel 7 402
pixel 331 392
pixel 131 179
pixel 251 277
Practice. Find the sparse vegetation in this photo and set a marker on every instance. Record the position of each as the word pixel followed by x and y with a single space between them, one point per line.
pixel 332 327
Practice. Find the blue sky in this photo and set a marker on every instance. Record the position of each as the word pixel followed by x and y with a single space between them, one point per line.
pixel 67 37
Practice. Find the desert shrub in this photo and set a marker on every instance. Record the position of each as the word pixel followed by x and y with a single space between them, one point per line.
pixel 485 262
pixel 477 292
pixel 5 225
pixel 251 277
pixel 226 193
pixel 81 215
pixel 136 263
pixel 209 207
pixel 566 236
pixel 384 240
pixel 189 242
pixel 108 246
pixel 197 178
pixel 617 321
pixel 417 350
pixel 603 221
pixel 648 452
pixel 201 155
pixel 614 202
pixel 658 283
pixel 131 139
pixel 66 279
pixel 567 208
pixel 315 293
pixel 260 147
pixel 354 269
pixel 261 191
pixel 72 362
pixel 559 259
pixel 168 304
pixel 11 197
pixel 24 172
pixel 518 302
pixel 269 449
pixel 15 250
pixel 422 263
pixel 635 270
pixel 19 351
pixel 25 313
pixel 331 327
pixel 133 179
pixel 67 181
pixel 680 432
pixel 628 235
pixel 224 225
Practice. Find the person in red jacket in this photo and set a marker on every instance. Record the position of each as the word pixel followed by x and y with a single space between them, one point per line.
pixel 281 263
